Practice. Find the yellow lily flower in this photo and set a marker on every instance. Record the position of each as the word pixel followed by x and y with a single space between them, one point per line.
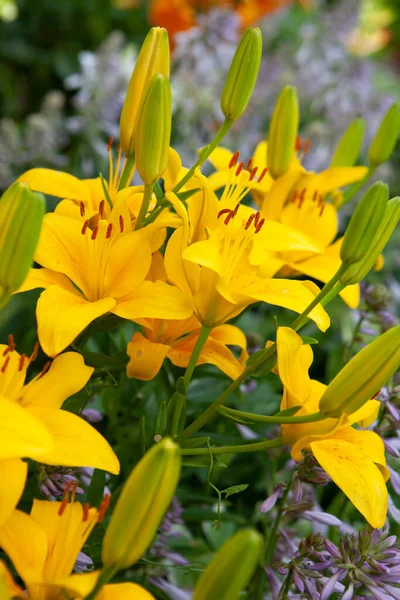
pixel 219 262
pixel 44 546
pixel 96 268
pixel 33 425
pixel 354 459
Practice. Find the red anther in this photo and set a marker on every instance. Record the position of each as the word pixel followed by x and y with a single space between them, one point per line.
pixel 250 220
pixel 106 500
pixel 301 202
pixel 11 342
pixel 249 164
pixel 73 490
pixel 68 486
pixel 110 143
pixel 236 209
pixel 35 352
pixel 63 506
pixel 85 512
pixel 253 173
pixel 103 507
pixel 315 196
pixel 82 209
pixel 294 197
pixel 21 361
pixel 94 232
pixel 5 364
pixel 234 159
pixel 240 168
pixel 259 226
pixel 321 212
pixel 263 174
pixel 101 209
pixel 85 226
pixel 121 223
pixel 298 144
pixel 320 200
pixel 229 217
pixel 376 394
pixel 302 194
pixel 306 146
pixel 257 218
pixel 109 231
pixel 45 368
pixel 224 211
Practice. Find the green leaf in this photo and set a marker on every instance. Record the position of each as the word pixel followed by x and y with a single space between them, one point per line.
pixel 309 340
pixel 183 196
pixel 288 412
pixel 234 489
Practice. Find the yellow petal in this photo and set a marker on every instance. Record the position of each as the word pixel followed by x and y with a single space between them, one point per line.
pixel 322 228
pixel 25 542
pixel 7 580
pixel 294 360
pixel 154 300
pixel 80 584
pixel 62 316
pixel 183 274
pixel 124 591
pixel 76 443
pixel 174 171
pixel 128 263
pixel 146 358
pixel 14 472
pixel 56 183
pixel 230 335
pixel 285 238
pixel 356 475
pixel 67 375
pixel 44 278
pixel 220 158
pixel 21 434
pixel 273 201
pixel 12 375
pixel 337 177
pixel 368 442
pixel 206 254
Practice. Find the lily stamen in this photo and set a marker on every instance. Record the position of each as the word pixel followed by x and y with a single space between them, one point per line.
pixel 253 173
pixel 82 209
pixel 85 511
pixel 224 211
pixel 260 225
pixel 121 223
pixel 95 232
pixel 101 209
pixel 234 159
pixel 105 503
pixel 85 226
pixel 21 361
pixel 250 220
pixel 45 369
pixel 109 230
pixel 249 164
pixel 5 365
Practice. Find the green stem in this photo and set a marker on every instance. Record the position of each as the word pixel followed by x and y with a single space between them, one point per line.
pixel 201 340
pixel 311 418
pixel 106 574
pixel 126 173
pixel 243 448
pixel 205 153
pixel 272 538
pixel 347 196
pixel 148 192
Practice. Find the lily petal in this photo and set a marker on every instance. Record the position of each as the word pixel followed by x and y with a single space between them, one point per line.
pixel 128 263
pixel 125 591
pixel 76 443
pixel 56 183
pixel 21 434
pixel 154 299
pixel 44 278
pixel 13 471
pixel 62 316
pixel 146 358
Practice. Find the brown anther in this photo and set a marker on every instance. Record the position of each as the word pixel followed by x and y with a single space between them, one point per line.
pixel 234 159
pixel 249 164
pixel 101 209
pixel 68 486
pixel 321 212
pixel 301 202
pixel 315 196
pixel 85 512
pixel 121 223
pixel 253 173
pixel 11 344
pixel 85 226
pixel 94 232
pixel 110 143
pixel 109 231
pixel 257 218
pixel 5 364
pixel 103 507
pixel 294 197
pixel 240 168
pixel 376 394
pixel 228 217
pixel 21 362
pixel 236 209
pixel 302 194
pixel 306 146
pixel 320 200
pixel 250 220
pixel 260 224
pixel 82 209
pixel 298 144
pixel 73 490
pixel 263 174
pixel 45 368
pixel 224 211
pixel 63 506
pixel 35 352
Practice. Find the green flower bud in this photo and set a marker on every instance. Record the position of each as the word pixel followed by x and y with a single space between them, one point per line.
pixel 386 137
pixel 364 224
pixel 349 146
pixel 363 376
pixel 142 504
pixel 153 130
pixel 231 568
pixel 356 272
pixel 283 132
pixel 242 75
pixel 153 58
pixel 21 216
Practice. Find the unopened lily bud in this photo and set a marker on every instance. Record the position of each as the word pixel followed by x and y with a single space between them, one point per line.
pixel 349 146
pixel 242 76
pixel 363 376
pixel 365 223
pixel 386 137
pixel 356 272
pixel 283 132
pixel 141 506
pixel 153 58
pixel 153 130
pixel 231 568
pixel 21 216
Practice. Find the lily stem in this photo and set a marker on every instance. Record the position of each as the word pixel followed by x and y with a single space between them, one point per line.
pixel 205 153
pixel 242 448
pixel 280 420
pixel 106 574
pixel 201 340
pixel 148 192
pixel 127 172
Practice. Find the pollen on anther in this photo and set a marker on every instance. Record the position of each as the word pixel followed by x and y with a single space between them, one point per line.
pixel 249 164
pixel 224 211
pixel 250 220
pixel 5 364
pixel 109 231
pixel 298 143
pixel 236 209
pixel 101 209
pixel 85 512
pixel 294 197
pixel 321 212
pixel 85 226
pixel 315 196
pixel 82 209
pixel 110 143
pixel 45 368
pixel 228 217
pixel 103 507
pixel 253 173
pixel 95 232
pixel 302 194
pixel 121 223
pixel 240 168
pixel 260 224
pixel 263 174
pixel 11 344
pixel 21 361
pixel 306 146
pixel 35 352
pixel 234 159
pixel 63 506
pixel 257 218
